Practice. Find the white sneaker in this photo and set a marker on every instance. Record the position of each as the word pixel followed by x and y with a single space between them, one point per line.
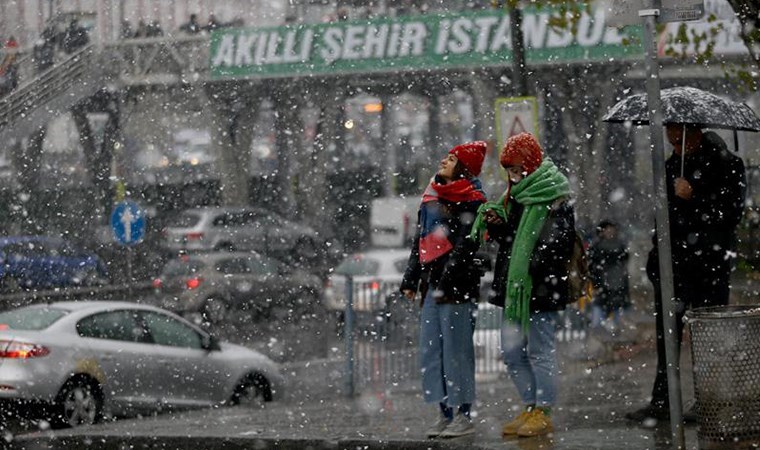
pixel 440 425
pixel 460 426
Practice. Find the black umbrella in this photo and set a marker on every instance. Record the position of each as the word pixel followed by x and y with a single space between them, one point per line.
pixel 688 106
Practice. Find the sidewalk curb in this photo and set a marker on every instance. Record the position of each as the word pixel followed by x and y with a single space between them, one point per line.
pixel 111 442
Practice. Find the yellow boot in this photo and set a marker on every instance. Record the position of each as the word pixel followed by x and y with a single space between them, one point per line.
pixel 538 424
pixel 511 428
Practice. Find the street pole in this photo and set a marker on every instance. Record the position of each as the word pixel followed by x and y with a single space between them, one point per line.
pixel 100 31
pixel 668 313
pixel 518 50
pixel 388 137
pixel 348 333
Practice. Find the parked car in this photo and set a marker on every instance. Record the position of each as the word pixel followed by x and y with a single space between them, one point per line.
pixel 392 221
pixel 240 229
pixel 208 287
pixel 42 262
pixel 74 362
pixel 376 275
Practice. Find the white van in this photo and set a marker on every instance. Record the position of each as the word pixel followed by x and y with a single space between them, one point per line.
pixel 393 221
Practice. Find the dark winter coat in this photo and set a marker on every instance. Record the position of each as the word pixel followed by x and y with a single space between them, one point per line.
pixel 454 274
pixel 548 263
pixel 74 38
pixel 608 261
pixel 703 228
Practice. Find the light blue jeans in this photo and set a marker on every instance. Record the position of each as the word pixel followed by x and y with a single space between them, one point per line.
pixel 598 316
pixel 447 354
pixel 531 357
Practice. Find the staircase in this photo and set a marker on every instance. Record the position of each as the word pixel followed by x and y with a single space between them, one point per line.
pixel 131 63
pixel 52 93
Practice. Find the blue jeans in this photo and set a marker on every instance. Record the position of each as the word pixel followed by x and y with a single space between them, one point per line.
pixel 531 358
pixel 447 353
pixel 599 316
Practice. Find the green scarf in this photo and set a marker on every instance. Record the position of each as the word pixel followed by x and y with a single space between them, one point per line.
pixel 536 193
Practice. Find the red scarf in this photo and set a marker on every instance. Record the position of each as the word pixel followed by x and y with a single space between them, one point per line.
pixel 458 191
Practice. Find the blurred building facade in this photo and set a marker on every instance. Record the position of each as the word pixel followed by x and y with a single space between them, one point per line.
pixel 387 124
pixel 109 19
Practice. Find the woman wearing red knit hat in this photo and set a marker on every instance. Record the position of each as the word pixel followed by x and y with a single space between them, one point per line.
pixel 534 225
pixel 440 267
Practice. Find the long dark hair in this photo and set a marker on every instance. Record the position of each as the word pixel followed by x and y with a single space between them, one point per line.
pixel 460 171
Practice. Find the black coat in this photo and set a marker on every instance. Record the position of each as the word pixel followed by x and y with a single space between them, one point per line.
pixel 454 274
pixel 608 264
pixel 548 262
pixel 703 228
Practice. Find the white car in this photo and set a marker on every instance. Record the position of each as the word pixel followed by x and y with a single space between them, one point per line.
pixel 376 275
pixel 79 361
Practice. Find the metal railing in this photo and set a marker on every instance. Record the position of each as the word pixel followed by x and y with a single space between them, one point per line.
pixel 24 63
pixel 160 60
pixel 381 331
pixel 53 82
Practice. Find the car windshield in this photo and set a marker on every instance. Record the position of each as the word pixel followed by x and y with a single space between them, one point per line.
pixel 30 318
pixel 182 267
pixel 358 266
pixel 185 220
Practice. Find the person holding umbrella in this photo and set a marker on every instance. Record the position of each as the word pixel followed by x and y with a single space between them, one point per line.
pixel 706 187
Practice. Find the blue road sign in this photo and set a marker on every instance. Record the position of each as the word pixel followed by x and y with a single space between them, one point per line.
pixel 128 223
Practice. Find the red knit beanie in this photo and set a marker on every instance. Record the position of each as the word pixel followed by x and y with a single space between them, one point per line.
pixel 471 155
pixel 522 150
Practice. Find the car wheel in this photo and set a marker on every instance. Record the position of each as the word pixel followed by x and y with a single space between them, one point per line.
pixel 216 310
pixel 79 403
pixel 306 251
pixel 253 391
pixel 10 284
pixel 89 278
pixel 225 247
pixel 306 304
pixel 340 323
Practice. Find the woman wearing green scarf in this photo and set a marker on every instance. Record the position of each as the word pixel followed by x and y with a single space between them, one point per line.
pixel 534 224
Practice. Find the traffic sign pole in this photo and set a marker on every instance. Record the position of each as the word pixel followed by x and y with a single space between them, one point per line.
pixel 129 272
pixel 128 225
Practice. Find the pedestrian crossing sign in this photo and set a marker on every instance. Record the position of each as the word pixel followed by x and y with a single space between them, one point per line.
pixel 515 115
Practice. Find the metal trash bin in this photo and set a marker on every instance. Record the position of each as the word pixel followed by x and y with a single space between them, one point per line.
pixel 725 350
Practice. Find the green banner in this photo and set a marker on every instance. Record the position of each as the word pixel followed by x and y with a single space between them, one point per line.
pixel 461 40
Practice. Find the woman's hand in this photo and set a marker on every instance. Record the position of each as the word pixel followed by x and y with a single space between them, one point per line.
pixel 492 218
pixel 409 294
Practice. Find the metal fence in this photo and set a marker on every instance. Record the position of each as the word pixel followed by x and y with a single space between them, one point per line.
pixel 381 332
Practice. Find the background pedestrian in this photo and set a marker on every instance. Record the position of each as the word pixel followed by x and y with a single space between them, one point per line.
pixel 608 264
